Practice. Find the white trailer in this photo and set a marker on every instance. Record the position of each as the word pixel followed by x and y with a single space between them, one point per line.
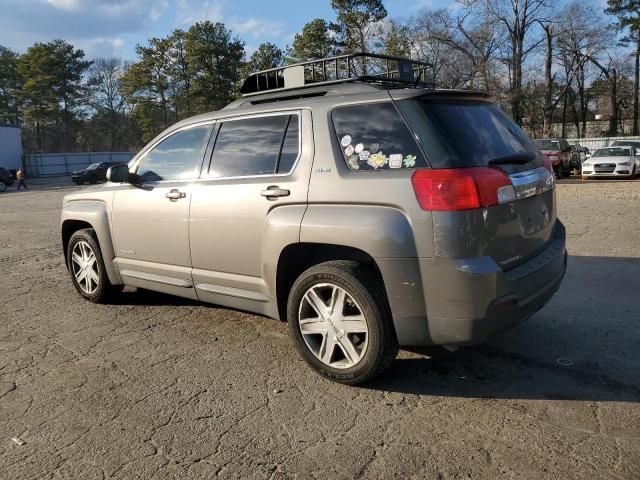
pixel 10 147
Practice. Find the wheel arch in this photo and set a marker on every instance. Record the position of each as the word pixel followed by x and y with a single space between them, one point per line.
pixel 78 215
pixel 295 258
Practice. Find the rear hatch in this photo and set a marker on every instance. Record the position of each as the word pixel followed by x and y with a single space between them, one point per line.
pixel 472 137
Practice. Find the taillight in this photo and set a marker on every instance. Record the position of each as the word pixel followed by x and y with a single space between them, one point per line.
pixel 462 188
pixel 547 164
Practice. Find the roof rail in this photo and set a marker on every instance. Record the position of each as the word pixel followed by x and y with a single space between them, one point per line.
pixel 384 70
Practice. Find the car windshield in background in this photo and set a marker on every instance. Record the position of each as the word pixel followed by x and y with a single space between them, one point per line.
pixel 547 144
pixel 93 166
pixel 625 143
pixel 464 133
pixel 612 152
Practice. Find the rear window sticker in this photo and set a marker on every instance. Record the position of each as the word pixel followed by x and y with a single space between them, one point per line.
pixel 395 160
pixel 409 161
pixel 359 147
pixel 375 147
pixel 349 150
pixel 346 141
pixel 352 161
pixel 378 160
pixel 364 155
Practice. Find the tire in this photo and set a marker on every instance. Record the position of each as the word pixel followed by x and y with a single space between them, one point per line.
pixel 372 351
pixel 558 172
pixel 95 285
pixel 3 187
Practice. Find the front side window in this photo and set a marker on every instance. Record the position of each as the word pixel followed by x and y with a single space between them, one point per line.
pixel 373 136
pixel 266 145
pixel 177 157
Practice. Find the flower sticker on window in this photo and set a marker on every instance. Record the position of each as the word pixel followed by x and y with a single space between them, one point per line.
pixel 346 141
pixel 375 147
pixel 409 161
pixel 359 147
pixel 377 160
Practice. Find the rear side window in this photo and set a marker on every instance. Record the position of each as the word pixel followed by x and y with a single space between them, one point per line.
pixel 256 146
pixel 373 136
pixel 464 133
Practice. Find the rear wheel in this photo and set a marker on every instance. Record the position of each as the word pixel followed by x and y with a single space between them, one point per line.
pixel 86 266
pixel 3 187
pixel 340 322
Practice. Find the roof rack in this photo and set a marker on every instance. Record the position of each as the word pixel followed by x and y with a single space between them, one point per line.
pixel 384 70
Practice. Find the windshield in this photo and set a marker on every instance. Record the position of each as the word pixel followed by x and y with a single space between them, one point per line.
pixel 612 152
pixel 464 133
pixel 93 166
pixel 627 143
pixel 548 144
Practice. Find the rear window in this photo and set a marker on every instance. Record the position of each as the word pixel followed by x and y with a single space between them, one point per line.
pixel 373 136
pixel 548 144
pixel 464 133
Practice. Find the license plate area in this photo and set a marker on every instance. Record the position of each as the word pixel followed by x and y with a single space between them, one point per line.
pixel 534 213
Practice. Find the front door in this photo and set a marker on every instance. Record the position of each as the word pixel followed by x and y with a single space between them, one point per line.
pixel 151 218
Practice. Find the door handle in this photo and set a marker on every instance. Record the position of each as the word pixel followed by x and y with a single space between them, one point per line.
pixel 175 194
pixel 274 191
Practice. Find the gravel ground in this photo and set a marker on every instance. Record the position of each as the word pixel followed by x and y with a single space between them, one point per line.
pixel 160 387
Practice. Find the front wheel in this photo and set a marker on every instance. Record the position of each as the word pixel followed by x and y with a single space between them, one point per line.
pixel 340 321
pixel 86 266
pixel 3 187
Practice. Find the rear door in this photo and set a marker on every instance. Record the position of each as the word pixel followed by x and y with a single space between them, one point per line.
pixel 461 133
pixel 256 180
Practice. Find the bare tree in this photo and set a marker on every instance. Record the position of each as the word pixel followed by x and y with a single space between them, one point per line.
pixel 518 18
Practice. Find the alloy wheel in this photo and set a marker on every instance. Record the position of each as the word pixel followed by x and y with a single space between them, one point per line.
pixel 333 326
pixel 85 267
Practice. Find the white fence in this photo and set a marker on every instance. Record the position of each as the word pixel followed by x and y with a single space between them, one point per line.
pixel 597 142
pixel 45 164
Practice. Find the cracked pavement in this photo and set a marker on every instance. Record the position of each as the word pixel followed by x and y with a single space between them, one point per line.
pixel 161 387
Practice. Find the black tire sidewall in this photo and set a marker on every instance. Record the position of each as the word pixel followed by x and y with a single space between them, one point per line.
pixel 371 308
pixel 101 293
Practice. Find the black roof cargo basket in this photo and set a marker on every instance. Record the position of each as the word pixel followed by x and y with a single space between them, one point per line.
pixel 383 70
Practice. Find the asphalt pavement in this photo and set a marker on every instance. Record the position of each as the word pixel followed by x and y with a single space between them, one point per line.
pixel 160 387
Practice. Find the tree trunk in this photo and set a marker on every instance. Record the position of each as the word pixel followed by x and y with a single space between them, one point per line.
pixel 636 84
pixel 548 97
pixel 564 117
pixel 613 118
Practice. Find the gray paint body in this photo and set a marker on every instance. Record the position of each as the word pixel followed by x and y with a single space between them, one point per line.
pixel 221 243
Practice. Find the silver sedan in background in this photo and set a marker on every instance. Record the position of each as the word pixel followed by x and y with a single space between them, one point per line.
pixel 623 161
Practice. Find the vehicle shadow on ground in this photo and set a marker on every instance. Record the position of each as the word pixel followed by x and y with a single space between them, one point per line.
pixel 582 346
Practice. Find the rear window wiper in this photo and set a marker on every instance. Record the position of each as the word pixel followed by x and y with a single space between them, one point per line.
pixel 518 158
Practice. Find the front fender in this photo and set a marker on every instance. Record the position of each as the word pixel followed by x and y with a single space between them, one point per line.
pixel 94 212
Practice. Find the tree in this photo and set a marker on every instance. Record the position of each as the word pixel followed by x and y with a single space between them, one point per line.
pixel 265 57
pixel 313 42
pixel 518 18
pixel 10 86
pixel 52 90
pixel 217 57
pixel 394 39
pixel 355 21
pixel 106 96
pixel 628 13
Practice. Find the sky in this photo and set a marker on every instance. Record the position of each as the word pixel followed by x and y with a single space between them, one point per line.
pixel 105 28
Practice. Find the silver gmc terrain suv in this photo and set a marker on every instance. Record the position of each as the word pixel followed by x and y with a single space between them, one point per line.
pixel 365 208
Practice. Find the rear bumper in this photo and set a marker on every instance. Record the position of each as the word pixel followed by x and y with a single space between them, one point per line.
pixel 466 301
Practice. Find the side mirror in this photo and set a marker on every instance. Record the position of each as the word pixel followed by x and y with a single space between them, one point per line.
pixel 118 174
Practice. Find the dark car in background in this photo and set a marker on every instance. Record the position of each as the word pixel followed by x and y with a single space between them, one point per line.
pixel 558 152
pixel 94 173
pixel 6 179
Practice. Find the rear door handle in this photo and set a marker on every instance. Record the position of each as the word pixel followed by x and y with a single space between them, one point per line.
pixel 275 191
pixel 175 194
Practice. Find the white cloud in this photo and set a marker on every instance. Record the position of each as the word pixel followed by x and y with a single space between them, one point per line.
pixel 190 12
pixel 258 28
